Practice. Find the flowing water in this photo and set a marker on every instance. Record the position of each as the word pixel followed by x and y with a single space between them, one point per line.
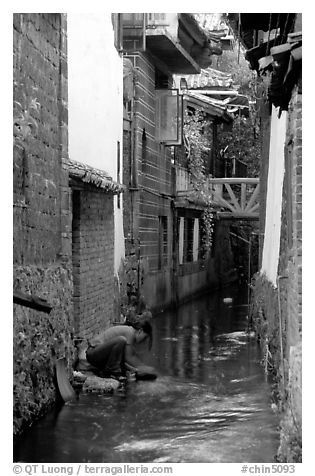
pixel 210 403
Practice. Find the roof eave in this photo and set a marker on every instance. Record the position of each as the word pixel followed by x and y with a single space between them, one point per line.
pixel 84 176
pixel 218 112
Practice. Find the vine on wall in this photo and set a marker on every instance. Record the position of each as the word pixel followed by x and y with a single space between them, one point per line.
pixel 198 142
pixel 40 339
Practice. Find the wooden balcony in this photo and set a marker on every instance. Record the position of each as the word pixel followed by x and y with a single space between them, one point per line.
pixel 238 196
pixel 173 38
pixel 163 40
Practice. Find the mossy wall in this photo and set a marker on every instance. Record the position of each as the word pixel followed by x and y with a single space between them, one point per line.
pixel 40 339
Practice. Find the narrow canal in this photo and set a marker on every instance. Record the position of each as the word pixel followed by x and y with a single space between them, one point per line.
pixel 210 403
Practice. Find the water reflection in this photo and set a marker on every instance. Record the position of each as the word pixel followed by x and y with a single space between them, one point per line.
pixel 210 403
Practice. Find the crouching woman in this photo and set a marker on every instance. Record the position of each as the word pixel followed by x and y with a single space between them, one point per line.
pixel 113 351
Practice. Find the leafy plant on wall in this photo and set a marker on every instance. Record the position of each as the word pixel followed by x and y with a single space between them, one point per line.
pixel 198 142
pixel 39 339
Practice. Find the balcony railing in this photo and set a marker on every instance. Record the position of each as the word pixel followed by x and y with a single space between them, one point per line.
pixel 238 196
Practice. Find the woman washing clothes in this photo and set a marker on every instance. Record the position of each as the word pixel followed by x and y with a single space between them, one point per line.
pixel 113 351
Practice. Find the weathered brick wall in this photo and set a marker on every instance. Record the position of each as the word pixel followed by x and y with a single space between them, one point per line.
pixel 290 265
pixel 272 307
pixel 41 228
pixel 93 261
pixel 42 215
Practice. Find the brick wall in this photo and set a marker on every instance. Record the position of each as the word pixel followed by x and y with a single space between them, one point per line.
pixel 93 261
pixel 41 205
pixel 290 265
pixel 42 215
pixel 290 260
pixel 272 306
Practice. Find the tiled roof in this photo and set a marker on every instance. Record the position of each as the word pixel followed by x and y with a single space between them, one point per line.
pixel 216 108
pixel 208 78
pixel 92 176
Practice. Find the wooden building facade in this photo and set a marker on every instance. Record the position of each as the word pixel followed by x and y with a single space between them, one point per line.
pixel 161 227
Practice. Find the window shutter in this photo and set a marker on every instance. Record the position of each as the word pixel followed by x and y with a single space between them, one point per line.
pixel 169 116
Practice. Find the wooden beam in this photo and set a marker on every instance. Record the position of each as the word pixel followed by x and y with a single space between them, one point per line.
pixel 243 195
pixel 217 92
pixel 234 180
pixel 233 197
pixel 33 302
pixel 254 208
pixel 221 201
pixel 252 199
pixel 238 215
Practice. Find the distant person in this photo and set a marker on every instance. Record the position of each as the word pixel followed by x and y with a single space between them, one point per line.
pixel 113 351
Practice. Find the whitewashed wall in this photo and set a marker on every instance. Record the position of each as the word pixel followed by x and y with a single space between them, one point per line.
pixel 271 249
pixel 95 89
pixel 181 241
pixel 196 240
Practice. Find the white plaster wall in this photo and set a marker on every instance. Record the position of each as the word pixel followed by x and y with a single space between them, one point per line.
pixel 95 89
pixel 181 240
pixel 271 247
pixel 196 240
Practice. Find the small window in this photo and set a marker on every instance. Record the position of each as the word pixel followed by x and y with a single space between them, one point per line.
pixel 169 117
